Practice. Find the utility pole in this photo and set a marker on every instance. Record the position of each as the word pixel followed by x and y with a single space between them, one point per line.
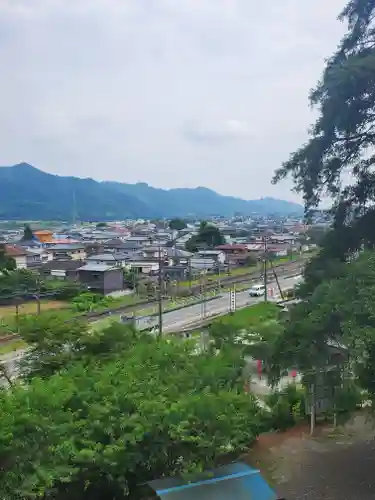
pixel 203 295
pixel 160 295
pixel 277 280
pixel 265 261
pixel 17 304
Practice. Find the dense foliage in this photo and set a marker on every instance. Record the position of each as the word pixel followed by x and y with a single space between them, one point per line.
pixel 288 407
pixel 177 224
pixel 208 237
pixel 6 263
pixel 25 284
pixel 27 233
pixel 339 311
pixel 341 142
pixel 103 412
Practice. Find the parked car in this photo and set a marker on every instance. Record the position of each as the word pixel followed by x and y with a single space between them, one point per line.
pixel 257 291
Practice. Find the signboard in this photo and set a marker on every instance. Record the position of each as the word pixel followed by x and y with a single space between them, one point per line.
pixel 232 300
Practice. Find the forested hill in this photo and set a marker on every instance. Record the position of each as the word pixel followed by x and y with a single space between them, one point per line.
pixel 28 193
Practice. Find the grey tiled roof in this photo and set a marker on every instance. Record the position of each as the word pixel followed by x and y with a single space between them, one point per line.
pixel 96 268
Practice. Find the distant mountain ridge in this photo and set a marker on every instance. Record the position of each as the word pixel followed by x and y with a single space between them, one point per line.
pixel 27 193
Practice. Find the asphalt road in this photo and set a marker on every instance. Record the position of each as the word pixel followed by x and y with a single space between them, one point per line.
pixel 182 318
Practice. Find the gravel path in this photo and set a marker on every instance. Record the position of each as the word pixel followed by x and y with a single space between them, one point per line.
pixel 336 465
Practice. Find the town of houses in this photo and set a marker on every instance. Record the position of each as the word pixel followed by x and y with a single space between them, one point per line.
pixel 98 253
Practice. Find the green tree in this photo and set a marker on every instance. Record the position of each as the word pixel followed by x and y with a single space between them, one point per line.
pixel 315 235
pixel 177 224
pixel 251 260
pixel 19 282
pixel 100 430
pixel 7 263
pixel 341 310
pixel 56 340
pixel 87 301
pixel 131 278
pixel 208 236
pixel 257 342
pixel 342 139
pixel 101 225
pixel 27 233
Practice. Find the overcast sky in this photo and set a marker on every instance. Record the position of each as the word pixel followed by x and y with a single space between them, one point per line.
pixel 170 92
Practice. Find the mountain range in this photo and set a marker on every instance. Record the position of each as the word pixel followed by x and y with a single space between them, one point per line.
pixel 27 193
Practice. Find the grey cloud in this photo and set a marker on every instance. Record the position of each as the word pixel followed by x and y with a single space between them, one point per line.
pixel 220 130
pixel 174 93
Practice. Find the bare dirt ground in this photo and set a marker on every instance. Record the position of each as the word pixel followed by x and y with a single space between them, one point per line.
pixel 334 465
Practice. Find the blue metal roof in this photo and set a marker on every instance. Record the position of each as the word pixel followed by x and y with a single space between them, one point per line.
pixel 232 482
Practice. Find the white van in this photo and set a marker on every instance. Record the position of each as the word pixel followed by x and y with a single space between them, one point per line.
pixel 257 291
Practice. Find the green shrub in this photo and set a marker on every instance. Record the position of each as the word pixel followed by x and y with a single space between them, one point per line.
pixel 287 407
pixel 347 398
pixel 68 291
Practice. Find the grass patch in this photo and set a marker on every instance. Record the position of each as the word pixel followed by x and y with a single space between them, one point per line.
pixel 125 300
pixel 212 278
pixel 252 315
pixel 32 307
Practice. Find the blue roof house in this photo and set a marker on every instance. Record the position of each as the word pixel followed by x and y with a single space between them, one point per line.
pixel 236 481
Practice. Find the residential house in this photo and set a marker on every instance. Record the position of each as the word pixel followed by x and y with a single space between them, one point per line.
pixel 217 255
pixel 34 243
pixel 208 260
pixel 164 236
pixel 74 251
pixel 143 264
pixel 94 248
pixel 109 259
pixel 43 236
pixel 285 238
pixel 181 241
pixel 154 252
pixel 65 269
pixel 23 258
pixel 256 249
pixel 33 259
pixel 278 250
pixel 235 254
pixel 116 245
pixel 101 278
pixel 42 255
pixel 141 239
pixel 176 256
pixel 101 236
